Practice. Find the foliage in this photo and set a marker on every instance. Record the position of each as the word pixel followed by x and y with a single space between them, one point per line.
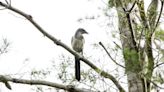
pixel 132 60
pixel 159 34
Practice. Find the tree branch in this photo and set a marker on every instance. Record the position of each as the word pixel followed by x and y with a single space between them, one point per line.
pixel 156 85
pixel 133 6
pixel 127 12
pixel 69 88
pixel 158 65
pixel 111 56
pixel 141 7
pixel 161 9
pixel 58 42
pixel 5 81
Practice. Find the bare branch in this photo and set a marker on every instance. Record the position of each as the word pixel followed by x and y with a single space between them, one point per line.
pixel 110 56
pixel 159 15
pixel 7 3
pixel 58 42
pixel 156 84
pixel 158 65
pixel 69 88
pixel 5 81
pixel 133 6
pixel 117 45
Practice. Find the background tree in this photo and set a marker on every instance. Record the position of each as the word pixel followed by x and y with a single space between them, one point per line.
pixel 138 33
pixel 137 27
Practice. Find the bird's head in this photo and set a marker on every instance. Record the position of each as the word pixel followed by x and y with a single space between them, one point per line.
pixel 82 31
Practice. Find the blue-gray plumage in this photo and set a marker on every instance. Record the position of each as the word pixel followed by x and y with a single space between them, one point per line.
pixel 77 43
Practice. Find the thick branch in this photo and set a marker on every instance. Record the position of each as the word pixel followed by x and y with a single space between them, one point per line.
pixel 127 12
pixel 69 88
pixel 58 42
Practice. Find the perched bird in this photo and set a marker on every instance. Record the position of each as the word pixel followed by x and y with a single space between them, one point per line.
pixel 77 43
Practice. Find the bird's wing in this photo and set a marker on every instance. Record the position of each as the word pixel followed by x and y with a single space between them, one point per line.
pixel 77 44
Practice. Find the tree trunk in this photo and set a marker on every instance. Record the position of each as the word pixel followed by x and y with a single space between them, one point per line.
pixel 130 51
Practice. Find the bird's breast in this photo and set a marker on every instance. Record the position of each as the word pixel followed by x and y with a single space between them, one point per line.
pixel 77 44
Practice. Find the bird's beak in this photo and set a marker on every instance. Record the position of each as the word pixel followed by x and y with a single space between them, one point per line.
pixel 86 32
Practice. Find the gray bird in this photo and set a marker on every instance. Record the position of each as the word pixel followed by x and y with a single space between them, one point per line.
pixel 77 43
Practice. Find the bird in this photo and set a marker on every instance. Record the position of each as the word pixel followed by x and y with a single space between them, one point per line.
pixel 77 43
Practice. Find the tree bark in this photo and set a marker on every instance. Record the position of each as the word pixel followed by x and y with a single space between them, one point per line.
pixel 130 49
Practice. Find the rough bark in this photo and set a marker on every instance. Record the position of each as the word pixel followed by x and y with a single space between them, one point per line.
pixel 130 49
pixel 139 61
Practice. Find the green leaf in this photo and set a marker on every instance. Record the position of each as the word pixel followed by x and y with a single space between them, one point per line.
pixel 159 34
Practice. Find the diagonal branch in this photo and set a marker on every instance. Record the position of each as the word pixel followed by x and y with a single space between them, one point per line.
pixel 132 6
pixel 110 56
pixel 58 42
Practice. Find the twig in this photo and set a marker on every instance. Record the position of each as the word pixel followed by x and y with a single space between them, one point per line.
pixel 156 85
pixel 117 45
pixel 158 65
pixel 110 55
pixel 132 6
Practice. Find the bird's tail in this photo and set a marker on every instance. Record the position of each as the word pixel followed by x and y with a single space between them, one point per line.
pixel 77 68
